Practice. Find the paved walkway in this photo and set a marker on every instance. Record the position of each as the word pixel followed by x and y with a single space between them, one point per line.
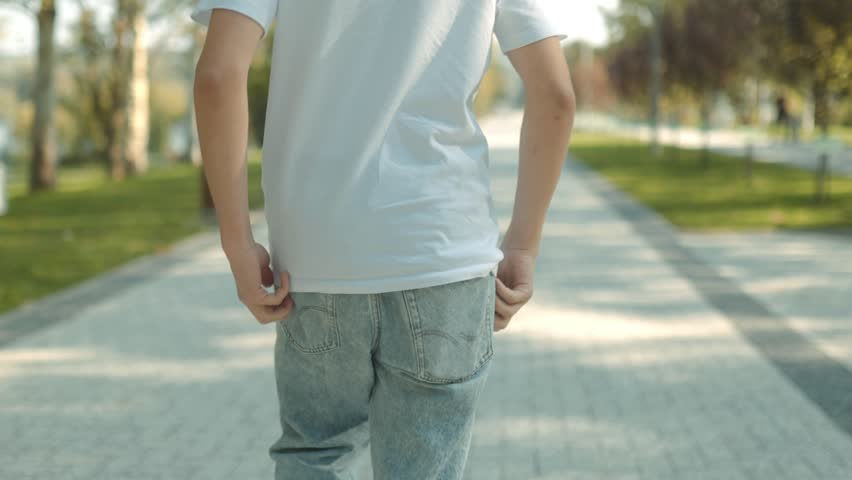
pixel 635 359
pixel 804 276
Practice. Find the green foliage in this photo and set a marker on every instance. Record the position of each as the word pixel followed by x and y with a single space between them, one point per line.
pixel 85 102
pixel 718 197
pixel 713 46
pixel 90 225
pixel 591 81
pixel 704 46
pixel 629 53
pixel 24 115
pixel 169 105
pixel 258 86
pixel 808 44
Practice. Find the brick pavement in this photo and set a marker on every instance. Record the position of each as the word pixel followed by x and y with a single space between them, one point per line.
pixel 619 368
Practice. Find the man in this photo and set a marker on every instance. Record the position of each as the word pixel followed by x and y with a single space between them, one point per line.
pixel 389 280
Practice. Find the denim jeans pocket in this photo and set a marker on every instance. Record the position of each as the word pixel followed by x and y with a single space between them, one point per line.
pixel 452 328
pixel 312 325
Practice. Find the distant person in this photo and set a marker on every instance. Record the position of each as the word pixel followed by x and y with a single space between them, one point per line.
pixel 783 116
pixel 384 244
pixel 789 123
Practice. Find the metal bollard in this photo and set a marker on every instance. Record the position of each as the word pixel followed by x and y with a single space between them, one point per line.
pixel 749 163
pixel 822 178
pixel 4 181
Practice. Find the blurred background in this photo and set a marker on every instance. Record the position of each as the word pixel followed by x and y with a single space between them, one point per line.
pixel 96 117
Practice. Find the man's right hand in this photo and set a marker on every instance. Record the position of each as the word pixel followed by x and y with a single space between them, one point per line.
pixel 514 285
pixel 250 266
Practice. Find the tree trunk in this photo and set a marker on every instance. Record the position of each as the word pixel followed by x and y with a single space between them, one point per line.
pixel 43 162
pixel 656 77
pixel 137 144
pixel 821 107
pixel 192 154
pixel 754 107
pixel 120 86
pixel 706 108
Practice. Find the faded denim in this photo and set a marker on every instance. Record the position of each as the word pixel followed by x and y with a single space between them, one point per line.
pixel 400 372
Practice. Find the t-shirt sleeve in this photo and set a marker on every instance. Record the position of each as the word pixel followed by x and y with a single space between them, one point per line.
pixel 261 11
pixel 521 22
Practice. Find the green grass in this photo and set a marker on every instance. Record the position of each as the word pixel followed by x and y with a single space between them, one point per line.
pixel 717 197
pixel 51 240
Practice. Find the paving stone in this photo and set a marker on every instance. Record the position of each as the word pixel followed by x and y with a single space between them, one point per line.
pixel 617 369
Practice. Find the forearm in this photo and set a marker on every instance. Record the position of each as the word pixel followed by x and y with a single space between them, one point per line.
pixel 545 133
pixel 221 107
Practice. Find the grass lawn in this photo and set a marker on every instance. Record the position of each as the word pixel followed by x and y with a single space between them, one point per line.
pixel 51 240
pixel 718 197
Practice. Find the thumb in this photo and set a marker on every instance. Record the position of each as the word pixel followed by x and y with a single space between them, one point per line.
pixel 511 296
pixel 266 276
pixel 285 281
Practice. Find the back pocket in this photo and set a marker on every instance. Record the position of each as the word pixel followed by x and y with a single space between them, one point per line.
pixel 312 325
pixel 452 327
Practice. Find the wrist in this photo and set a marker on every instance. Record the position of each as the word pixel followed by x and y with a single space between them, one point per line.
pixel 528 248
pixel 234 246
pixel 530 252
pixel 528 243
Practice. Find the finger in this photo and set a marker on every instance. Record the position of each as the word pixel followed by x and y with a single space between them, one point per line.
pixel 269 314
pixel 266 277
pixel 278 313
pixel 285 280
pixel 502 309
pixel 513 309
pixel 269 299
pixel 260 315
pixel 263 254
pixel 514 295
pixel 506 311
pixel 500 323
pixel 506 293
pixel 280 292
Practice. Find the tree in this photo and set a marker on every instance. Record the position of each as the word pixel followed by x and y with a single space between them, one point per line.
pixel 138 96
pixel 706 47
pixel 115 78
pixel 119 80
pixel 42 141
pixel 811 48
pixel 90 101
pixel 589 73
pixel 695 48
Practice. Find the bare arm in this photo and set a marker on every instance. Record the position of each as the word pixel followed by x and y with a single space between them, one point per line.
pixel 221 107
pixel 545 132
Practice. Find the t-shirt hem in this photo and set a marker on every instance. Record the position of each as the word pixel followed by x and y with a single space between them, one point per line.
pixel 527 37
pixel 390 284
pixel 203 11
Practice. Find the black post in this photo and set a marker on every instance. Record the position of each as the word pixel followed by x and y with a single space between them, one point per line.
pixel 749 162
pixel 655 87
pixel 822 178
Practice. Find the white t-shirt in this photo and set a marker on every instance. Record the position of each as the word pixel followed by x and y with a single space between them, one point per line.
pixel 375 170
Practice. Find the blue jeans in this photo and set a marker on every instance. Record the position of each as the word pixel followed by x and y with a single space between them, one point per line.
pixel 399 372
